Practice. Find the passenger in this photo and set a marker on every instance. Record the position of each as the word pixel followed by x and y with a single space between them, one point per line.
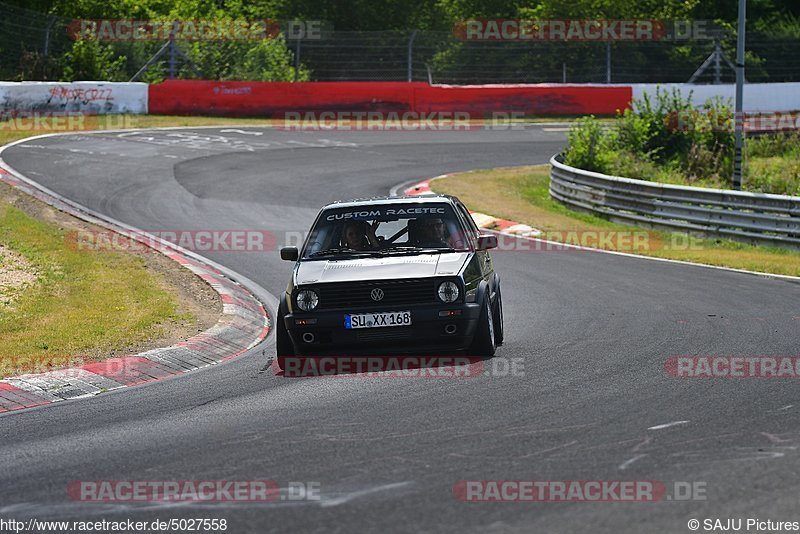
pixel 434 233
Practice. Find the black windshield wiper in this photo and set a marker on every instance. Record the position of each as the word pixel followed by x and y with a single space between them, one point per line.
pixel 343 251
pixel 417 250
pixel 399 249
pixel 436 250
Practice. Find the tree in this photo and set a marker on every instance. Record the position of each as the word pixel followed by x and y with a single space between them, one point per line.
pixel 90 60
pixel 270 61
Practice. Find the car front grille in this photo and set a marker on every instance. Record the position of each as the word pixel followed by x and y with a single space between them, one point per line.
pixel 354 295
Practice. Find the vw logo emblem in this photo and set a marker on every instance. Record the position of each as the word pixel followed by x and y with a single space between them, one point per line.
pixel 376 294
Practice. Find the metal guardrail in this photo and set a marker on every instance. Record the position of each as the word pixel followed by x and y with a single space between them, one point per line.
pixel 752 217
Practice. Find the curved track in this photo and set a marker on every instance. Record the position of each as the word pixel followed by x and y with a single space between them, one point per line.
pixel 594 331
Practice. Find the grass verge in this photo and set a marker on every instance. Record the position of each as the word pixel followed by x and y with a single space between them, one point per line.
pixel 61 307
pixel 521 194
pixel 87 305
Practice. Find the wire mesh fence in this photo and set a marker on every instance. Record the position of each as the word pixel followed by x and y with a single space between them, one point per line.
pixel 37 46
pixel 28 42
pixel 440 57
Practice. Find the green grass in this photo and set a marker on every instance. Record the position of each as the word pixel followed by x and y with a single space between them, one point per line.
pixel 775 174
pixel 521 194
pixel 778 174
pixel 84 303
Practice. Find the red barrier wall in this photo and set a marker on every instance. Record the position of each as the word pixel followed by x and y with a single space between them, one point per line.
pixel 197 97
pixel 190 97
pixel 528 99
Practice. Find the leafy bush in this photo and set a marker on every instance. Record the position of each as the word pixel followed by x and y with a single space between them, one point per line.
pixel 664 138
pixel 589 146
pixel 90 60
pixel 271 61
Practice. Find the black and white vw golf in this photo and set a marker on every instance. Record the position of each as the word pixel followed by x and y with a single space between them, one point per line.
pixel 391 275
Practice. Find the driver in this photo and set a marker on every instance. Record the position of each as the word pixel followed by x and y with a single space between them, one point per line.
pixel 358 235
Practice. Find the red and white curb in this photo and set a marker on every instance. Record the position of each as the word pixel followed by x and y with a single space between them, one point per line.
pixel 244 324
pixel 482 220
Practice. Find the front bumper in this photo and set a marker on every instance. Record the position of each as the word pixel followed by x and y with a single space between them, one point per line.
pixel 428 333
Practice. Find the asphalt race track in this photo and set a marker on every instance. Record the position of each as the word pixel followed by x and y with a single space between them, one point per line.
pixel 593 331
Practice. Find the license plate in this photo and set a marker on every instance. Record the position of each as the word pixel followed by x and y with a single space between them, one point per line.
pixel 377 320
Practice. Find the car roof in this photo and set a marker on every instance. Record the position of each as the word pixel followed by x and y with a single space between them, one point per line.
pixel 428 198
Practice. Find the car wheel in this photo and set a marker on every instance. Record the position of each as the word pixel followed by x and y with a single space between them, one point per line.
pixel 484 342
pixel 283 343
pixel 499 332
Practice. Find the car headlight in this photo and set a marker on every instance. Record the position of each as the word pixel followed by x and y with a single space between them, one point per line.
pixel 307 299
pixel 448 292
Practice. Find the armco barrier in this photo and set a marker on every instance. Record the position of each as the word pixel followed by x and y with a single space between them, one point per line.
pixel 83 97
pixel 192 97
pixel 752 217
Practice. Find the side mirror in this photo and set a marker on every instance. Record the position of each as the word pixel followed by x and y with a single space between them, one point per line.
pixel 291 253
pixel 487 241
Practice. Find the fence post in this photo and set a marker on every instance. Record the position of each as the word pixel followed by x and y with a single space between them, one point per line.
pixel 717 62
pixel 739 116
pixel 410 48
pixel 49 28
pixel 297 59
pixel 46 50
pixel 171 57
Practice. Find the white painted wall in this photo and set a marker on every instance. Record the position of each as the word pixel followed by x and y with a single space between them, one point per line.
pixel 758 97
pixel 89 97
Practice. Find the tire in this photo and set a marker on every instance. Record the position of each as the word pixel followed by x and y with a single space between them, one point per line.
pixel 283 343
pixel 499 332
pixel 484 345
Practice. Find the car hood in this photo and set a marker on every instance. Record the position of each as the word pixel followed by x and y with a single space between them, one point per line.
pixel 390 267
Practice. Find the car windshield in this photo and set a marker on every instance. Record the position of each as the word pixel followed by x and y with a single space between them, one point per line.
pixel 384 230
